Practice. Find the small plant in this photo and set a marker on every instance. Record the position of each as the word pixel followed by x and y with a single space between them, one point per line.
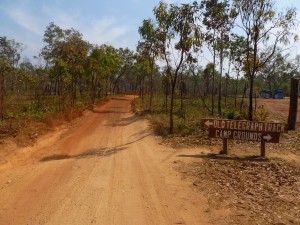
pixel 259 114
pixel 161 127
pixel 181 113
pixel 10 115
pixel 232 114
pixel 2 123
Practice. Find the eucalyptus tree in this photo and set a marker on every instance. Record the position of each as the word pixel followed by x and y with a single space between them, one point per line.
pixel 149 48
pixel 142 70
pixel 34 81
pixel 108 67
pixel 125 60
pixel 218 17
pixel 26 75
pixel 73 51
pixel 53 35
pixel 9 58
pixel 197 73
pixel 264 29
pixel 103 63
pixel 65 54
pixel 178 36
pixel 238 50
pixel 296 63
pixel 91 68
pixel 208 75
pixel 277 71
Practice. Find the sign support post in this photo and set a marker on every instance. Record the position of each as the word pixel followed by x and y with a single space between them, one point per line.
pixel 263 149
pixel 293 104
pixel 225 149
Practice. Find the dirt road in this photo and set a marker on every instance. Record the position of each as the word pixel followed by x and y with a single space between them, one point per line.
pixel 278 108
pixel 107 169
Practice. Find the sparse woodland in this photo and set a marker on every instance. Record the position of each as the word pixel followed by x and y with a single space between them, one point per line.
pixel 245 45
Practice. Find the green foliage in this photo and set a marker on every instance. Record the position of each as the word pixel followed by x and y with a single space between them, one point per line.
pixel 186 120
pixel 264 30
pixel 3 123
pixel 9 57
pixel 75 73
pixel 278 72
pixel 232 114
pixel 177 38
pixel 259 114
pixel 10 53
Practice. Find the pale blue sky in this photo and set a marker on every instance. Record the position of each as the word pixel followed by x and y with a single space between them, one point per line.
pixel 113 22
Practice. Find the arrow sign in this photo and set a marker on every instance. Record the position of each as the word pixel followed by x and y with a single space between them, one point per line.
pixel 244 125
pixel 243 135
pixel 244 130
pixel 267 138
pixel 208 123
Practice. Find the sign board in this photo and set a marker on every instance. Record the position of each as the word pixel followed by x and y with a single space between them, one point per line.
pixel 244 130
pixel 244 135
pixel 243 125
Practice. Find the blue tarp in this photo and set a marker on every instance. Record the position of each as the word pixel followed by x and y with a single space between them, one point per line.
pixel 279 93
pixel 267 93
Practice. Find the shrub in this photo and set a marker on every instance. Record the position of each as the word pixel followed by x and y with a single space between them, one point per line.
pixel 232 114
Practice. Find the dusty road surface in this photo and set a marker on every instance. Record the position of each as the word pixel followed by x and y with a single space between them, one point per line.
pixel 107 169
pixel 278 108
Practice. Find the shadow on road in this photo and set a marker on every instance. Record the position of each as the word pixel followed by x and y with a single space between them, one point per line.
pixel 93 152
pixel 226 157
pixel 99 152
pixel 125 121
pixel 107 111
pixel 120 99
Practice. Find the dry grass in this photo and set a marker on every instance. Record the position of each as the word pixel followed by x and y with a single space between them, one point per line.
pixel 28 128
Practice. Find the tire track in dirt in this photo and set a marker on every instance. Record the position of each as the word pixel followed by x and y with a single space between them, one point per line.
pixel 108 169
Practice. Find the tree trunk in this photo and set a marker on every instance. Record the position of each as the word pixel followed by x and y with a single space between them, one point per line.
pixel 213 84
pixel 251 98
pixel 93 88
pixel 244 94
pixel 74 97
pixel 236 86
pixel 166 92
pixel 151 85
pixel 182 89
pixel 172 107
pixel 220 79
pixel 140 91
pixel 106 86
pixel 166 102
pixel 293 104
pixel 226 90
pixel 2 97
pixel 142 88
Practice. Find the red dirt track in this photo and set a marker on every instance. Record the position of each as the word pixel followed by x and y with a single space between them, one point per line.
pixel 108 169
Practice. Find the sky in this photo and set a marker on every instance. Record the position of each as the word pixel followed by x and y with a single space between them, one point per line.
pixel 114 22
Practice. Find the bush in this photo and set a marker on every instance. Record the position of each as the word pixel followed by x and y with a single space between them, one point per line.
pixel 259 114
pixel 232 114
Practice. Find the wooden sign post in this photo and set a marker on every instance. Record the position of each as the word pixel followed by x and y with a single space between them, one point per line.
pixel 293 104
pixel 244 130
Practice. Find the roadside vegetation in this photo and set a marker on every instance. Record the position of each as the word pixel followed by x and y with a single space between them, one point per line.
pixel 188 113
pixel 247 47
pixel 245 43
